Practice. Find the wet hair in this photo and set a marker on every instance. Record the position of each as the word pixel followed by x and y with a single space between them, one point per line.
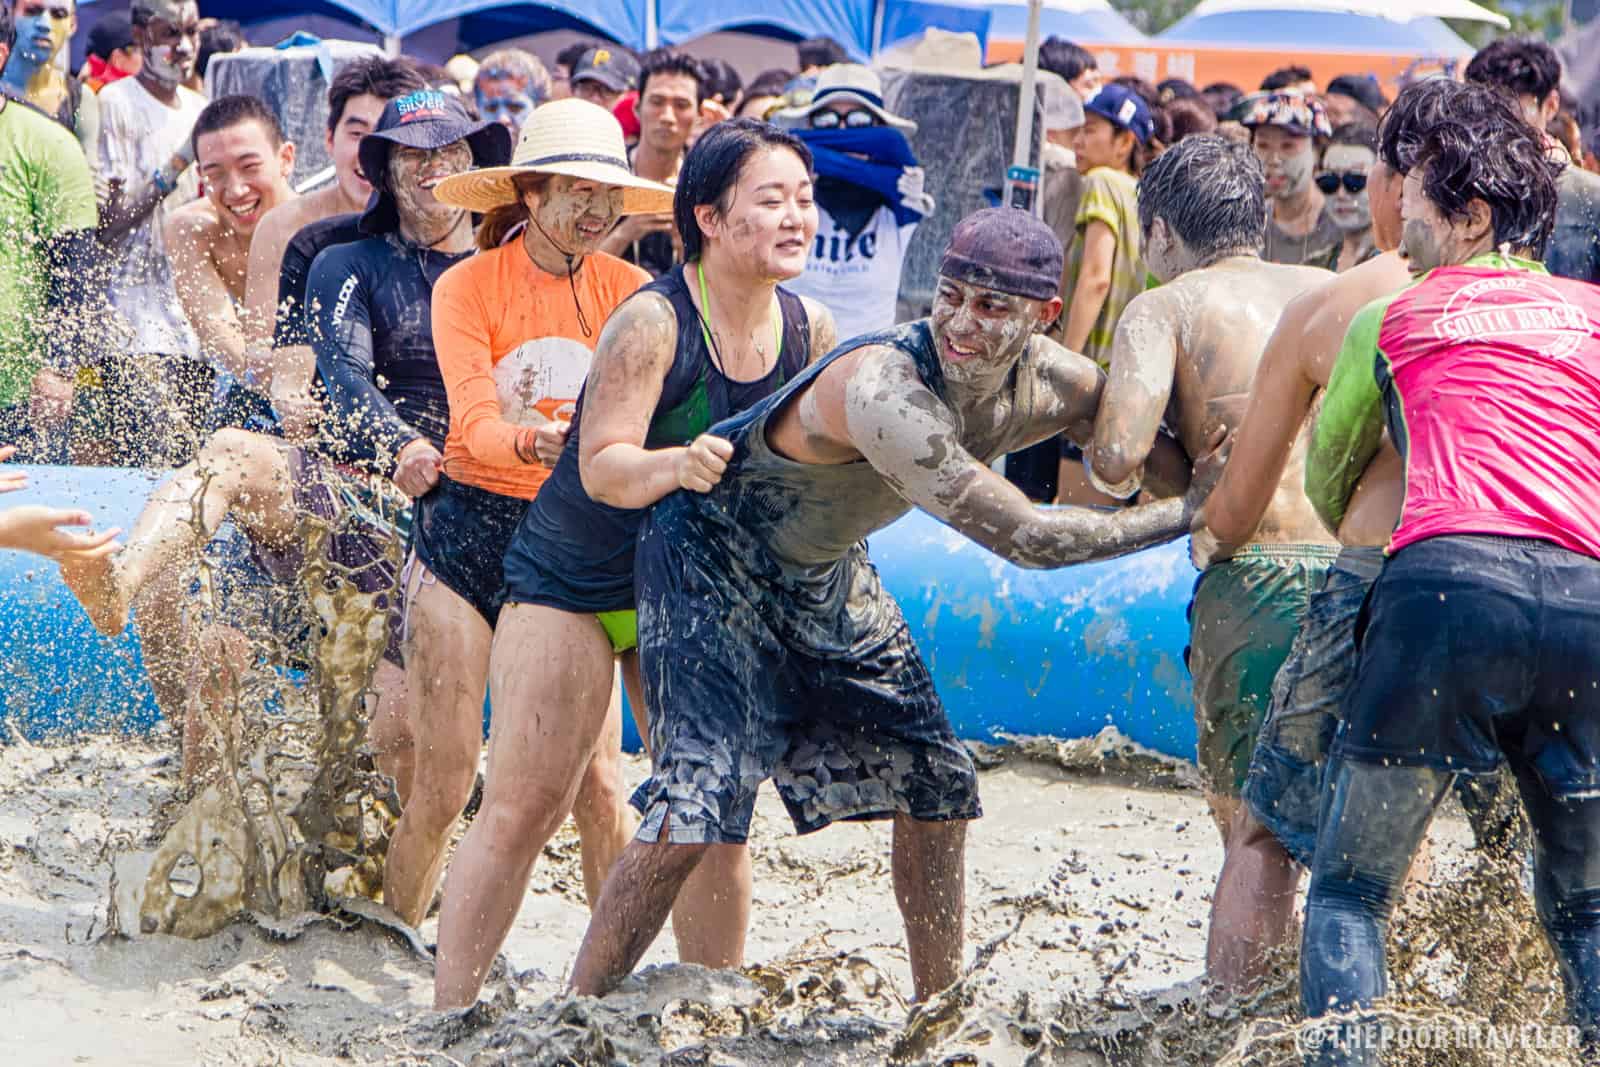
pixel 1502 162
pixel 1062 57
pixel 386 79
pixel 1362 88
pixel 519 64
pixel 1424 104
pixel 1188 116
pixel 1211 191
pixel 713 167
pixel 226 112
pixel 1357 134
pixel 820 52
pixel 666 61
pixel 1285 77
pixel 1222 98
pixel 498 223
pixel 1525 66
pixel 226 36
pixel 722 81
pixel 8 28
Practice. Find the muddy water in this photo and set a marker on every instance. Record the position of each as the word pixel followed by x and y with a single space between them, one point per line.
pixel 1088 895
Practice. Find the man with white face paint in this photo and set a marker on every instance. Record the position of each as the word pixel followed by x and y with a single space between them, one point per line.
pixel 1343 179
pixel 805 671
pixel 1184 356
pixel 1284 129
pixel 154 391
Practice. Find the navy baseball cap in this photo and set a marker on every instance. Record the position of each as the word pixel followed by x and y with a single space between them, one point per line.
pixel 427 119
pixel 1007 250
pixel 1123 108
pixel 611 67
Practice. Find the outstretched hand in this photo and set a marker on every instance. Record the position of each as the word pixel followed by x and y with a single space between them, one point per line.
pixel 11 481
pixel 35 528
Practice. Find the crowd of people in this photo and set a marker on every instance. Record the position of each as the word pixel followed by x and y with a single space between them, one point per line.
pixel 596 371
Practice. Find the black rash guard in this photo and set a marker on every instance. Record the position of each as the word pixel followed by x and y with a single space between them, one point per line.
pixel 370 308
pixel 293 324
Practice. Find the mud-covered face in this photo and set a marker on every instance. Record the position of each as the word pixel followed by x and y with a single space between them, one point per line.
pixel 575 213
pixel 980 333
pixel 505 100
pixel 768 220
pixel 170 45
pixel 43 28
pixel 246 176
pixel 413 174
pixel 1351 212
pixel 1430 238
pixel 1384 190
pixel 1288 158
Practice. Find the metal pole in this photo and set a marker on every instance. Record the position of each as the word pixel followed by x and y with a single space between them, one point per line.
pixel 652 24
pixel 1022 150
pixel 875 45
pixel 391 44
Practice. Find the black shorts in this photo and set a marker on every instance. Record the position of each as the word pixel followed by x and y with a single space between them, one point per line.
pixel 815 683
pixel 1472 646
pixel 461 535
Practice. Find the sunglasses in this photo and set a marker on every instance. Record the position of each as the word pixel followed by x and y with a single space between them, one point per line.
pixel 831 120
pixel 1353 181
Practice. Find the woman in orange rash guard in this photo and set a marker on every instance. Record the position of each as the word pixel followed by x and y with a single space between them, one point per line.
pixel 515 328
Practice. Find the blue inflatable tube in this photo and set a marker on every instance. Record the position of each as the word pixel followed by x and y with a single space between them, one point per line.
pixel 1062 652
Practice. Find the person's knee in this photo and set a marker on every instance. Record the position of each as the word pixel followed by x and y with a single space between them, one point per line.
pixel 530 813
pixel 600 794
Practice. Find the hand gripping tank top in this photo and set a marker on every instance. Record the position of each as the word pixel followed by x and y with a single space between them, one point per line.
pixel 576 554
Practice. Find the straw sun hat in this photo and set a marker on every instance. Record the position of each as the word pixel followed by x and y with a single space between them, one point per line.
pixel 571 137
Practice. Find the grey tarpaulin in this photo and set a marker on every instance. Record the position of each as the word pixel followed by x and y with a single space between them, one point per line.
pixel 294 83
pixel 966 127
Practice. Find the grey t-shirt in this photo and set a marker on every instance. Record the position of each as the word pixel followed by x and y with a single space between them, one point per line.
pixel 1311 249
pixel 1574 249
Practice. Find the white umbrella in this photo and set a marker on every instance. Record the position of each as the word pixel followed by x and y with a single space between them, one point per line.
pixel 1394 10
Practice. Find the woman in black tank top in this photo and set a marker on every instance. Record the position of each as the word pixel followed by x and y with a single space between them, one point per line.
pixel 674 357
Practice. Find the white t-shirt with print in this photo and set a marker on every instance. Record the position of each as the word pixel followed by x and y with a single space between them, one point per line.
pixel 857 278
pixel 139 135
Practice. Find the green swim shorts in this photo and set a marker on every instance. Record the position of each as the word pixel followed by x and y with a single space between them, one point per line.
pixel 623 629
pixel 1243 618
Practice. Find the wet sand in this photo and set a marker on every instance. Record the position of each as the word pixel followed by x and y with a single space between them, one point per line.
pixel 1087 901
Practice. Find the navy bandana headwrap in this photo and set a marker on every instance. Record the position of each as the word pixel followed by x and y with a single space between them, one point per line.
pixel 888 154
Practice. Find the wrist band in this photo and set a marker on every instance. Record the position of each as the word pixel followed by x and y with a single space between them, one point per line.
pixel 526 451
pixel 160 180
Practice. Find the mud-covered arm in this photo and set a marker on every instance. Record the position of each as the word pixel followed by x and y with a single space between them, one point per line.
pixel 1350 426
pixel 1280 397
pixel 912 438
pixel 366 424
pixel 1144 357
pixel 625 381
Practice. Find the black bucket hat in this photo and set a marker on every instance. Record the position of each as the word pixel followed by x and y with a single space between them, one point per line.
pixel 426 119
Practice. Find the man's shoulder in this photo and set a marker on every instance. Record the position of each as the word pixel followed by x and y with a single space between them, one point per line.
pixel 363 256
pixel 1578 192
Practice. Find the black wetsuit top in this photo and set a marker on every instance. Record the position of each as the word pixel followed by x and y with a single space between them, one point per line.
pixel 293 326
pixel 576 554
pixel 370 304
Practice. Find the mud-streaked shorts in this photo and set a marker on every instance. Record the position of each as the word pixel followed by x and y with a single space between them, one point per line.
pixel 816 684
pixel 1284 788
pixel 367 523
pixel 1243 618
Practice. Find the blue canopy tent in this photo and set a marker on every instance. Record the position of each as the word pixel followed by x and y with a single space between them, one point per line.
pixel 1333 31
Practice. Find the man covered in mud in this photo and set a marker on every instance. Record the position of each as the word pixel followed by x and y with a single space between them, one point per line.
pixel 327 523
pixel 1283 789
pixel 245 162
pixel 1184 356
pixel 803 669
pixel 1481 641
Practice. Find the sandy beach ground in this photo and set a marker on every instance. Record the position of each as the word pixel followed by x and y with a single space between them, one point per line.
pixel 1087 901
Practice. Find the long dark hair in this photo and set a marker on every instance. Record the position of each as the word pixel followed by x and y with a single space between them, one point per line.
pixel 497 224
pixel 713 167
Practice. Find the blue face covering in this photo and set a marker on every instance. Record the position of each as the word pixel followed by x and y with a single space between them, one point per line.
pixel 27 56
pixel 510 110
pixel 887 154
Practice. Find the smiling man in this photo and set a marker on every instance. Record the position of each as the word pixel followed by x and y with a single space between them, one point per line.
pixel 245 162
pixel 805 671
